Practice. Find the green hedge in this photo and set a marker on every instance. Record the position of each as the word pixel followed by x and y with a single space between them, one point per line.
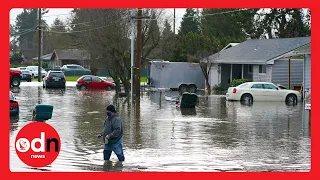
pixel 237 82
pixel 76 73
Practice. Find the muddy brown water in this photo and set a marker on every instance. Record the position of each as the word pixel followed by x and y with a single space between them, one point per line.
pixel 217 136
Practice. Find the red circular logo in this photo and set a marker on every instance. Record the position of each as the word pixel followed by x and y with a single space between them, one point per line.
pixel 37 144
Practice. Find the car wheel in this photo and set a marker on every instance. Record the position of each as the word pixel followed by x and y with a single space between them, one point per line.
pixel 108 88
pixel 291 99
pixel 247 98
pixel 183 88
pixel 15 82
pixel 193 88
pixel 83 87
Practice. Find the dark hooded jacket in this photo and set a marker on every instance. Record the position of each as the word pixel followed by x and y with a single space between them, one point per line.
pixel 113 128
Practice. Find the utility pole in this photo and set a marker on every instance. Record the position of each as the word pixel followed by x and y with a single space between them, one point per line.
pixel 132 53
pixel 174 20
pixel 139 52
pixel 39 45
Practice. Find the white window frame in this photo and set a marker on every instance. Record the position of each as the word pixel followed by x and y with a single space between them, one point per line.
pixel 262 69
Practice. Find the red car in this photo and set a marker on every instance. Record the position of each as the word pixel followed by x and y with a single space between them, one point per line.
pixel 93 82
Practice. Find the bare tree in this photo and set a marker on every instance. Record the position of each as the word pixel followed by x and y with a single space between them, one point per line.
pixel 105 33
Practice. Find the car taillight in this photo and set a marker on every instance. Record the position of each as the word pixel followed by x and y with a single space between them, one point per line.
pixel 81 81
pixel 14 104
pixel 234 90
pixel 48 78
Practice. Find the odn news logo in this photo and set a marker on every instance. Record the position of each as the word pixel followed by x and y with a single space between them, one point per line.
pixel 37 144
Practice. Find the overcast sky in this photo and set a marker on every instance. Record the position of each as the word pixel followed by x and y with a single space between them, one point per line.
pixel 64 14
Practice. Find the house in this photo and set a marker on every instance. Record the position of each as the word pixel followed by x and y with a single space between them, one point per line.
pixel 68 56
pixel 306 78
pixel 260 60
pixel 71 56
pixel 46 58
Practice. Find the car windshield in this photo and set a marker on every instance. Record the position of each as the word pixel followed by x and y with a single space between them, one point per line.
pixel 56 74
pixel 34 68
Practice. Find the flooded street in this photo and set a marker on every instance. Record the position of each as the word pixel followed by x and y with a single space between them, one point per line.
pixel 218 136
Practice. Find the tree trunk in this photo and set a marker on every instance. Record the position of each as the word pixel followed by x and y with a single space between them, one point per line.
pixel 208 86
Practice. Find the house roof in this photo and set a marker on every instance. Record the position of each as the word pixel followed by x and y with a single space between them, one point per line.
pixel 230 45
pixel 70 54
pixel 259 51
pixel 46 57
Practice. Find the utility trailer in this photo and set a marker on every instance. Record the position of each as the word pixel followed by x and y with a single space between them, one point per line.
pixel 176 76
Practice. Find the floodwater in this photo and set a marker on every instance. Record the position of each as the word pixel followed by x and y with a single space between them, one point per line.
pixel 217 136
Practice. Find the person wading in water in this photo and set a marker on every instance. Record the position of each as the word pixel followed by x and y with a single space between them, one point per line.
pixel 112 135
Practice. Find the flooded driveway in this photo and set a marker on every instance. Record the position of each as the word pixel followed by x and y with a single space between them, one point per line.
pixel 218 136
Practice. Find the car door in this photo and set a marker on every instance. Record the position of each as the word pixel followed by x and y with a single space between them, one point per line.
pixel 271 92
pixel 97 83
pixel 88 82
pixel 257 91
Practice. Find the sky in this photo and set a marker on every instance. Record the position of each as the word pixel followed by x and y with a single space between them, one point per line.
pixel 64 13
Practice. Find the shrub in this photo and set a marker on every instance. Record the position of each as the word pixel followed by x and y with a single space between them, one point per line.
pixel 44 64
pixel 237 82
pixel 218 88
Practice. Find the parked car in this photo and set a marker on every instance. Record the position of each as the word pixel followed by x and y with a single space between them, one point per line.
pixel 15 77
pixel 26 75
pixel 14 105
pixel 54 79
pixel 22 68
pixel 75 70
pixel 261 91
pixel 94 82
pixel 34 71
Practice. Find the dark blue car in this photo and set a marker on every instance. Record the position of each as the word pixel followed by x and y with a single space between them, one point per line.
pixel 14 105
pixel 54 79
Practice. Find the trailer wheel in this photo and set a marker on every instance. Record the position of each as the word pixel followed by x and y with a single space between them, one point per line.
pixel 193 88
pixel 183 88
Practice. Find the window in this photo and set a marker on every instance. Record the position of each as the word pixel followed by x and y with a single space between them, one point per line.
pixel 270 86
pixel 11 96
pixel 250 68
pixel 257 86
pixel 87 78
pixel 95 79
pixel 262 69
pixel 56 74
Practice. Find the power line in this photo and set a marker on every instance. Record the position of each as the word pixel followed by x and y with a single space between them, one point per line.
pixel 19 34
pixel 70 32
pixel 44 16
pixel 212 14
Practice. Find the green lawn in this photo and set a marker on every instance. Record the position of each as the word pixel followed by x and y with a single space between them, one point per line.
pixel 75 78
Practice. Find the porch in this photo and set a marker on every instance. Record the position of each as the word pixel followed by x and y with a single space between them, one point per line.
pixel 230 72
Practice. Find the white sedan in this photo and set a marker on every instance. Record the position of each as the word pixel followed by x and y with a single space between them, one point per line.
pixel 261 91
pixel 34 71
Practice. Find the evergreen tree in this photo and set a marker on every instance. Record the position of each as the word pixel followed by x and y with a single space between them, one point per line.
pixel 190 22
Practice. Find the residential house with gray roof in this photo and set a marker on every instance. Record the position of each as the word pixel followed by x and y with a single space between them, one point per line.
pixel 260 60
